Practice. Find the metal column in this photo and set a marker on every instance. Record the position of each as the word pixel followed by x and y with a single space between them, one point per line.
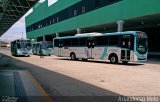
pixel 120 25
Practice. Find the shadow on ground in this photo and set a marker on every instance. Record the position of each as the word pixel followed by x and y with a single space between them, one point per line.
pixel 102 62
pixel 60 87
pixel 153 59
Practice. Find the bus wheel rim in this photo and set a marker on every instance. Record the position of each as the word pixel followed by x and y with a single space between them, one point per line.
pixel 72 56
pixel 113 59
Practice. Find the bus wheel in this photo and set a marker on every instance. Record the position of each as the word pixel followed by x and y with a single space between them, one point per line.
pixel 84 59
pixel 125 62
pixel 113 59
pixel 73 56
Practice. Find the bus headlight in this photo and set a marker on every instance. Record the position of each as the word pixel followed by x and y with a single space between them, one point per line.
pixel 18 51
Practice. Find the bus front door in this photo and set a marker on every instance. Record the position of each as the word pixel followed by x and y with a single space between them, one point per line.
pixel 60 45
pixel 125 50
pixel 36 51
pixel 90 45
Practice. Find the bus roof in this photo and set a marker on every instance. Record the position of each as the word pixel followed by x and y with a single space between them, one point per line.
pixel 44 41
pixel 40 42
pixel 35 42
pixel 20 40
pixel 98 34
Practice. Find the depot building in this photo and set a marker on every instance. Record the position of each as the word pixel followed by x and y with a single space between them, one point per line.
pixel 69 17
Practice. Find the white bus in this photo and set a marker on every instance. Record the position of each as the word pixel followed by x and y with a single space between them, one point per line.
pixel 21 47
pixel 129 46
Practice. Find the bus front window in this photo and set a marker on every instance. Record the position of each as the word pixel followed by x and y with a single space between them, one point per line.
pixel 28 45
pixel 142 44
pixel 46 45
pixel 25 45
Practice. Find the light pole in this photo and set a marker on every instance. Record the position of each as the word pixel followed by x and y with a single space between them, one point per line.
pixel 22 35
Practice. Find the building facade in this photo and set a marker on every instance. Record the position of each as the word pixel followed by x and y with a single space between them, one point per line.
pixel 70 17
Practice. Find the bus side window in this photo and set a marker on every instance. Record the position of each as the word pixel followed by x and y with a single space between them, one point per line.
pixel 82 41
pixel 129 44
pixel 114 40
pixel 56 43
pixel 18 45
pixel 75 42
pixel 123 43
pixel 101 41
pixel 67 42
pixel 12 45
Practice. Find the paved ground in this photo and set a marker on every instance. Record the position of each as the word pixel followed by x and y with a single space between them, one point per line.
pixel 63 77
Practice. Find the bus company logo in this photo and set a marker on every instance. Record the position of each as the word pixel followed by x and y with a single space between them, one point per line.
pixel 9 99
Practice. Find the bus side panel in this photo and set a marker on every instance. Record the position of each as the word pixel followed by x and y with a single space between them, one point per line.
pixel 81 52
pixel 132 57
pixel 56 51
pixel 66 52
pixel 99 53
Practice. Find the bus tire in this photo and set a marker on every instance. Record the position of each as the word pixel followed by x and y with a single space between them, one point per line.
pixel 113 58
pixel 15 55
pixel 125 62
pixel 83 59
pixel 73 56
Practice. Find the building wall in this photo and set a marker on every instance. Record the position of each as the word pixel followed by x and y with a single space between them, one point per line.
pixel 125 9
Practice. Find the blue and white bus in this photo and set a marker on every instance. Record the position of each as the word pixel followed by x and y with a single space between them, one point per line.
pixel 129 46
pixel 21 47
pixel 45 46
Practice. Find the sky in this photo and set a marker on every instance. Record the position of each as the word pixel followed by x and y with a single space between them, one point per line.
pixel 18 30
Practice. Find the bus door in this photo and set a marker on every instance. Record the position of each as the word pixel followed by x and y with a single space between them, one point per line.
pixel 90 45
pixel 37 48
pixel 60 45
pixel 125 48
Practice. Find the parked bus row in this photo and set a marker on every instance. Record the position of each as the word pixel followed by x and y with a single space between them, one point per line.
pixel 129 46
pixel 25 47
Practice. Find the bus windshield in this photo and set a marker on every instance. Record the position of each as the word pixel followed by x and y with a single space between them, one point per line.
pixel 47 44
pixel 142 43
pixel 24 44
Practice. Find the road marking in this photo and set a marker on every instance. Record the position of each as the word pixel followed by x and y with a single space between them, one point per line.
pixel 48 98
